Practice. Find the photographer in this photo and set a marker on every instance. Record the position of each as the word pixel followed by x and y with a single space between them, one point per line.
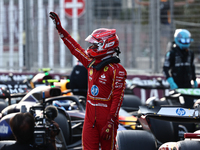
pixel 22 126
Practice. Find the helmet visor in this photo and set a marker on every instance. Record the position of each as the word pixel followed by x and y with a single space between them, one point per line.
pixel 93 46
pixel 184 40
pixel 91 39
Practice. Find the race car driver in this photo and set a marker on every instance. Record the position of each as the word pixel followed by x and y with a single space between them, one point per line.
pixel 106 84
pixel 179 68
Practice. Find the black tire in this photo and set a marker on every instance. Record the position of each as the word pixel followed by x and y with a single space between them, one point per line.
pixel 135 139
pixel 131 102
pixel 188 145
pixel 164 131
pixel 64 124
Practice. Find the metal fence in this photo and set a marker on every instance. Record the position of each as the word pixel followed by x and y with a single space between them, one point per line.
pixel 28 39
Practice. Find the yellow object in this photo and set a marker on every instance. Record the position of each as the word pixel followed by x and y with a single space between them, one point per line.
pixel 63 86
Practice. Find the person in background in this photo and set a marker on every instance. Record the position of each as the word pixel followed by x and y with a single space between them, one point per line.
pixel 179 68
pixel 78 80
pixel 22 126
pixel 106 84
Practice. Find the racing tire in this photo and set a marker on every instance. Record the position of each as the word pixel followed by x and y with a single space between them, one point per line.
pixel 188 145
pixel 164 131
pixel 64 124
pixel 131 102
pixel 135 139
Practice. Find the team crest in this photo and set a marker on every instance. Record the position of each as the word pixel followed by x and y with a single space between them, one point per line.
pixel 105 68
pixel 91 72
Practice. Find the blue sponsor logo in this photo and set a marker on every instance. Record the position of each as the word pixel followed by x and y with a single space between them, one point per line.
pixel 94 90
pixel 5 130
pixel 180 112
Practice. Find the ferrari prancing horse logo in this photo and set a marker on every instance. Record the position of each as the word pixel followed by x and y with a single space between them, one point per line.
pixel 105 68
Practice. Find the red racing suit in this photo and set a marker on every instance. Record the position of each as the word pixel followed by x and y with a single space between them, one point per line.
pixel 105 95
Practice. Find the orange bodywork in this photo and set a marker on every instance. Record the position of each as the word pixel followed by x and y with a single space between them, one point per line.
pixel 63 86
pixel 132 120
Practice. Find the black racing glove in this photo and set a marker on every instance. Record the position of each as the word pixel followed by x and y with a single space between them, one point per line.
pixel 56 20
